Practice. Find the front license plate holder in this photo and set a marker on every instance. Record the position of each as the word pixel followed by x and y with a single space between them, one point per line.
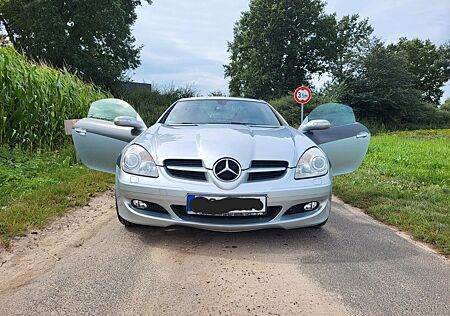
pixel 228 206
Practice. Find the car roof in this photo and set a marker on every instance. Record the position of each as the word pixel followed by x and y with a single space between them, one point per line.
pixel 220 98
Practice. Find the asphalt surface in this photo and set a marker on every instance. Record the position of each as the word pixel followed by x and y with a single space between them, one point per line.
pixel 353 265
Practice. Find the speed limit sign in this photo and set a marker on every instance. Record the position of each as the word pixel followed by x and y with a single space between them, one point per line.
pixel 302 95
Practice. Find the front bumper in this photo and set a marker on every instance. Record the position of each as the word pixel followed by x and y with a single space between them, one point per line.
pixel 171 194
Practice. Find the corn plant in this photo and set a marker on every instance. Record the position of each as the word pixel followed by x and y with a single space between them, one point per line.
pixel 35 99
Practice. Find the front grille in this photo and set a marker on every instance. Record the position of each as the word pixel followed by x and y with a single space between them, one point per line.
pixel 266 170
pixel 191 175
pixel 259 176
pixel 269 163
pixel 190 169
pixel 272 211
pixel 183 162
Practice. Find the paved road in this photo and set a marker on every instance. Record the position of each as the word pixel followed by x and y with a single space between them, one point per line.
pixel 353 265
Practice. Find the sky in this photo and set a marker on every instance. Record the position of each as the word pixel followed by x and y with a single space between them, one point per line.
pixel 185 42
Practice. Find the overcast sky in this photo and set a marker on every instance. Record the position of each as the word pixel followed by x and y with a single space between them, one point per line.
pixel 185 42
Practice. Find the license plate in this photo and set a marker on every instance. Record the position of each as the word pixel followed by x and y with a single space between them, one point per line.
pixel 226 206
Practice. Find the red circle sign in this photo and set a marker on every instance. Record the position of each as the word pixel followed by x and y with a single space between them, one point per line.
pixel 302 95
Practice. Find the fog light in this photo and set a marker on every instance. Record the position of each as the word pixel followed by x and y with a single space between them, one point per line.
pixel 139 204
pixel 311 206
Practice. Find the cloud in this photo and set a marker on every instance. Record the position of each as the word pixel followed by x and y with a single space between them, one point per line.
pixel 400 18
pixel 185 42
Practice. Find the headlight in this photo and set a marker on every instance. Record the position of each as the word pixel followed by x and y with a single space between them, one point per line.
pixel 138 161
pixel 313 163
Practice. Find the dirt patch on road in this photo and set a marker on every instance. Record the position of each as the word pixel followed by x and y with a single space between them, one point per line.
pixel 36 252
pixel 234 281
pixel 170 271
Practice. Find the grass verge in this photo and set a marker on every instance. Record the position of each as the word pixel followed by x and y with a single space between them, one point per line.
pixel 37 187
pixel 405 181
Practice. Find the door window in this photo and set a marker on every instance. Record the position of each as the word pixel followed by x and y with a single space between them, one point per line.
pixel 337 114
pixel 109 109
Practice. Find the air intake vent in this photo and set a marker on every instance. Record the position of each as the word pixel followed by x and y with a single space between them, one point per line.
pixel 261 170
pixel 272 212
pixel 260 176
pixel 183 162
pixel 269 163
pixel 190 169
pixel 191 175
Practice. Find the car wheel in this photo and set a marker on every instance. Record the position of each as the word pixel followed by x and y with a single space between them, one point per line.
pixel 122 220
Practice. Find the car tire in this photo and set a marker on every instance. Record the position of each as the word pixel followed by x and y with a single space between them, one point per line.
pixel 122 220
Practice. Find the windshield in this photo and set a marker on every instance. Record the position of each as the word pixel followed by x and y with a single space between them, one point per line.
pixel 222 111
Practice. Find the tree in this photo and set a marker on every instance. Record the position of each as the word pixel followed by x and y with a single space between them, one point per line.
pixel 216 93
pixel 428 63
pixel 383 89
pixel 92 38
pixel 352 41
pixel 278 45
pixel 446 105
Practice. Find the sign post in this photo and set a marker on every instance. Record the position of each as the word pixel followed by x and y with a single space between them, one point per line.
pixel 302 95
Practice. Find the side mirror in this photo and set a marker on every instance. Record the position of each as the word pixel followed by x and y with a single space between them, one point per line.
pixel 315 125
pixel 128 121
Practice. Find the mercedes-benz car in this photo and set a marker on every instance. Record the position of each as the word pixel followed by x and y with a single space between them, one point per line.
pixel 221 163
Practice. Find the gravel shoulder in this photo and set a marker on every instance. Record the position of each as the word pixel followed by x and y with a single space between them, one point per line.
pixel 86 262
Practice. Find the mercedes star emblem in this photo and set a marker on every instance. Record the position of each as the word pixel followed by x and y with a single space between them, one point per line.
pixel 227 169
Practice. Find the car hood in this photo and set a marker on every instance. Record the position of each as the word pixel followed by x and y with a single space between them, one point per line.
pixel 212 142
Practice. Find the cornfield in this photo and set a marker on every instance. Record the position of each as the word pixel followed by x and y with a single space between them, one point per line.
pixel 35 99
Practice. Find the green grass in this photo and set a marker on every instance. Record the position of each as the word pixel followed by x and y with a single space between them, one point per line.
pixel 37 187
pixel 405 181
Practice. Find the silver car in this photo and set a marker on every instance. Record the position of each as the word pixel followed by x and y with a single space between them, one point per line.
pixel 225 164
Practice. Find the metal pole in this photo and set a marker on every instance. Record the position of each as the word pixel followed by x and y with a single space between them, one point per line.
pixel 301 121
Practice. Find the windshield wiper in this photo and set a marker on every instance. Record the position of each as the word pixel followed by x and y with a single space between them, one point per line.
pixel 224 123
pixel 263 125
pixel 236 123
pixel 183 123
pixel 253 124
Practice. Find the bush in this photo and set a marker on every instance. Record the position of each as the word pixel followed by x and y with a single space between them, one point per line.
pixel 420 116
pixel 150 104
pixel 291 110
pixel 446 105
pixel 36 99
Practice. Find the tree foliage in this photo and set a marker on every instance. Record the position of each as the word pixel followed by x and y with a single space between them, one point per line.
pixel 383 89
pixel 151 104
pixel 92 38
pixel 429 64
pixel 446 105
pixel 352 42
pixel 278 45
pixel 217 93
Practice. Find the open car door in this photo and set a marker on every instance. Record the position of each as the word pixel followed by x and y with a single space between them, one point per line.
pixel 98 141
pixel 345 142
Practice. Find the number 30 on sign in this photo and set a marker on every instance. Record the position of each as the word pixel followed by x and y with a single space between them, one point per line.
pixel 302 95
